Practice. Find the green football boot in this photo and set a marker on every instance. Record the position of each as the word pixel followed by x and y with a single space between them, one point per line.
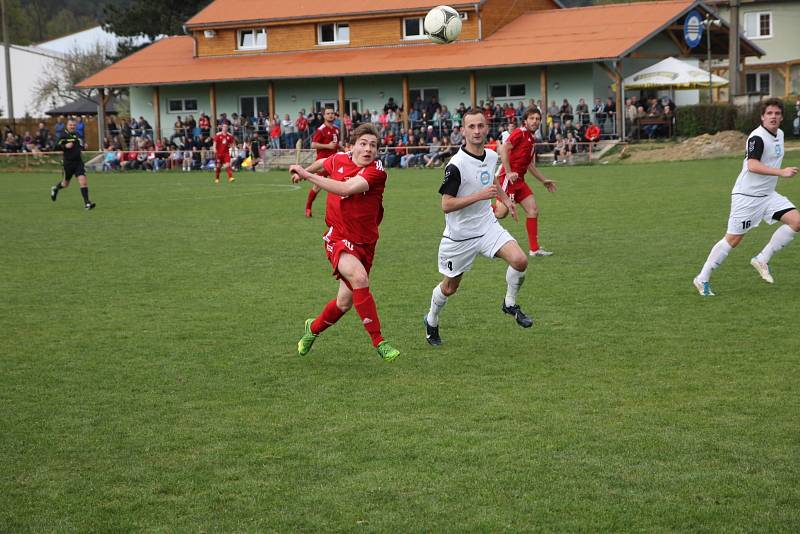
pixel 305 343
pixel 387 352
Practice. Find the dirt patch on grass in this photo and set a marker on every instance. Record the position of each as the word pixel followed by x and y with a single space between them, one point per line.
pixel 704 146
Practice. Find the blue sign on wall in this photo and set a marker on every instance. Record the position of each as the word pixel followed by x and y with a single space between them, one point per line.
pixel 693 29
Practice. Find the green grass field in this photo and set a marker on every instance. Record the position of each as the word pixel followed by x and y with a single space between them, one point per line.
pixel 149 378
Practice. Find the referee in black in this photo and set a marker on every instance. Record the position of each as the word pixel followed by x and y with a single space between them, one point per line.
pixel 71 145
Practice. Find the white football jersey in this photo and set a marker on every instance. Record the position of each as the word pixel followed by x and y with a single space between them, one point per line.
pixel 767 148
pixel 464 175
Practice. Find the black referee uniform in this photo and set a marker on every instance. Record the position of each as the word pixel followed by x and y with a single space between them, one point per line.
pixel 73 165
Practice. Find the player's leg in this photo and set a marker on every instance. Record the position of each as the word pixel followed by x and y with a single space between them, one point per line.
pixel 217 168
pixel 528 203
pixel 84 183
pixel 228 170
pixel 441 293
pixel 718 253
pixel 67 174
pixel 312 194
pixel 352 270
pixel 784 235
pixel 517 261
pixel 331 313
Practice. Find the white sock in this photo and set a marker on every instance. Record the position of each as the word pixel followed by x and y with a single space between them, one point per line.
pixel 438 300
pixel 715 258
pixel 514 279
pixel 782 237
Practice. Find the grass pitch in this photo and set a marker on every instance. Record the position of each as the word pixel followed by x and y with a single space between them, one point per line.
pixel 149 378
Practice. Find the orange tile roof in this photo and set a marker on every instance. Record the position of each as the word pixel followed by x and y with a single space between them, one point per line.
pixel 537 38
pixel 230 11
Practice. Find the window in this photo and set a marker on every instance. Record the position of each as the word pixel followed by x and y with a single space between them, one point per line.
pixel 509 90
pixel 251 106
pixel 424 94
pixel 320 105
pixel 758 25
pixel 759 82
pixel 180 105
pixel 333 34
pixel 351 105
pixel 251 39
pixel 412 29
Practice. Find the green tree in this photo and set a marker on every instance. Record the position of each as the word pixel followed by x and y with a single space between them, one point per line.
pixel 150 18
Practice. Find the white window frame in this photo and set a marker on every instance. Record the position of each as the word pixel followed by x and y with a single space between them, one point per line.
pixel 254 98
pixel 508 91
pixel 421 35
pixel 757 15
pixel 255 32
pixel 759 76
pixel 336 40
pixel 183 106
pixel 322 103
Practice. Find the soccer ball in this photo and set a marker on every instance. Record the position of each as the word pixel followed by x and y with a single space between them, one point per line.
pixel 442 24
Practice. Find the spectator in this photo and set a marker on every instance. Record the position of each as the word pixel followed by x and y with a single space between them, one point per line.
pixel 592 134
pixel 559 148
pixel 110 160
pixel 566 111
pixel 571 145
pixel 599 110
pixel 553 111
pixel 301 126
pixel 582 110
pixel 275 133
pixel 43 139
pixel 80 128
pixel 456 137
pixel 60 125
pixel 434 148
pixel 390 105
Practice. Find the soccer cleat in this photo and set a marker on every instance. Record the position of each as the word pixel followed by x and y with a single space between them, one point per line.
pixel 308 212
pixel 304 345
pixel 704 288
pixel 523 320
pixel 386 351
pixel 53 193
pixel 431 333
pixel 231 179
pixel 90 205
pixel 541 253
pixel 763 270
pixel 216 180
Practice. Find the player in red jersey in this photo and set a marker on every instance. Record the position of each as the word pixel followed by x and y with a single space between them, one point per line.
pixel 223 142
pixel 326 142
pixel 354 209
pixel 517 154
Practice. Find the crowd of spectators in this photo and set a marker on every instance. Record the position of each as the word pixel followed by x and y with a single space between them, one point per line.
pixel 431 137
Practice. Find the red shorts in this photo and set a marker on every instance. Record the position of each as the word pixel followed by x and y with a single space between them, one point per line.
pixel 517 191
pixel 223 158
pixel 334 248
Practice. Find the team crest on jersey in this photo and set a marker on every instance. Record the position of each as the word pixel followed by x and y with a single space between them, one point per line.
pixel 486 177
pixel 778 150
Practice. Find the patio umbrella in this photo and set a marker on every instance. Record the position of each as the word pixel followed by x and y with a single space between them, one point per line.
pixel 673 73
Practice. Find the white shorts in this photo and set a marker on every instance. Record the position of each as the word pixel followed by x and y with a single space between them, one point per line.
pixel 456 257
pixel 748 212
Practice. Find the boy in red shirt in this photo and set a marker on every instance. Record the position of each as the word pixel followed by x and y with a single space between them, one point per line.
pixel 517 156
pixel 223 142
pixel 326 142
pixel 354 209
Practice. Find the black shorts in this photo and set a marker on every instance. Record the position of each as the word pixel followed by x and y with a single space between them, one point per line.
pixel 73 169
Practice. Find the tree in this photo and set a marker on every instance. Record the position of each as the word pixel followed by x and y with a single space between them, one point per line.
pixel 59 83
pixel 150 18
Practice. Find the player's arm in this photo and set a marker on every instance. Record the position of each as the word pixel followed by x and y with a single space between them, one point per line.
pixel 506 200
pixel 550 185
pixel 755 149
pixel 353 186
pixel 449 191
pixel 503 151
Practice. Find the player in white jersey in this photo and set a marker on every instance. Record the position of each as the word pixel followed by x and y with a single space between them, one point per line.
pixel 471 227
pixel 754 199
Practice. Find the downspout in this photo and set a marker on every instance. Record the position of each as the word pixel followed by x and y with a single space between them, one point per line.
pixel 480 22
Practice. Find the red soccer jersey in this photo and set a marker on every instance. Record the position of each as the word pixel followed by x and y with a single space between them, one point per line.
pixel 223 142
pixel 521 153
pixel 355 217
pixel 326 134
